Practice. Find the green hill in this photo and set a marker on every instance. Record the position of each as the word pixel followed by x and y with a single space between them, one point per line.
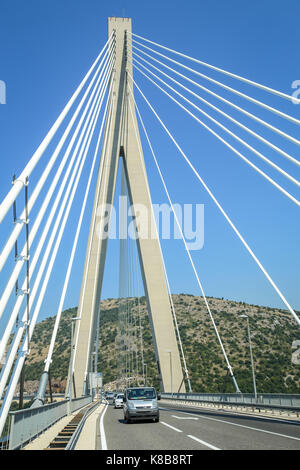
pixel 272 334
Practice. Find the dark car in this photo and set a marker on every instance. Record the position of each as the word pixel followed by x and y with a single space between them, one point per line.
pixel 109 396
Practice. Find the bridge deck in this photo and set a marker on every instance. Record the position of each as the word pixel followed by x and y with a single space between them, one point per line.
pixel 196 427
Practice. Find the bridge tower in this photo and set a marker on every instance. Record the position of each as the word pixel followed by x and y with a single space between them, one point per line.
pixel 121 139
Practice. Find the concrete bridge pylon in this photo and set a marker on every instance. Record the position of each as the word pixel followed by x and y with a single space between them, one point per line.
pixel 121 140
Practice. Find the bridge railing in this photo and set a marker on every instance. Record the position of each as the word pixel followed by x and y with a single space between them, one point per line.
pixel 263 400
pixel 29 423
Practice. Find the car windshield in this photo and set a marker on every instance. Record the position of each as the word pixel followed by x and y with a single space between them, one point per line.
pixel 120 396
pixel 141 394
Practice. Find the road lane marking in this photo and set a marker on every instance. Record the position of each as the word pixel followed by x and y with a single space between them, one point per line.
pixel 188 435
pixel 102 432
pixel 184 417
pixel 241 426
pixel 203 442
pixel 277 419
pixel 169 426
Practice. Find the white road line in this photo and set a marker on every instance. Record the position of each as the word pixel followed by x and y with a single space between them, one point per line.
pixel 241 426
pixel 169 426
pixel 203 442
pixel 102 432
pixel 192 437
pixel 244 413
pixel 185 417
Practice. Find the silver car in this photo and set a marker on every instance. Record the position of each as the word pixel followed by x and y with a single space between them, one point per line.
pixel 119 400
pixel 140 403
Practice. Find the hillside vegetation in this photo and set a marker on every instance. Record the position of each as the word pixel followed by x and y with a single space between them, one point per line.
pixel 272 334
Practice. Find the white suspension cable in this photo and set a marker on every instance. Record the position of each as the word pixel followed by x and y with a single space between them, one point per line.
pixel 247 129
pixel 220 208
pixel 71 186
pixel 20 181
pixel 44 378
pixel 19 264
pixel 71 260
pixel 243 95
pixel 18 228
pixel 22 354
pixel 259 154
pixel 131 309
pixel 163 261
pixel 94 290
pixel 94 296
pixel 17 306
pixel 248 114
pixel 286 193
pixel 140 320
pixel 218 69
pixel 188 252
pixel 79 314
pixel 18 335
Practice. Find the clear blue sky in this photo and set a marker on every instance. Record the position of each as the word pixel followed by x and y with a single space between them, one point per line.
pixel 47 46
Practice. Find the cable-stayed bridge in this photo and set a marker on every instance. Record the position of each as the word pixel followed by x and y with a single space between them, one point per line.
pixel 102 119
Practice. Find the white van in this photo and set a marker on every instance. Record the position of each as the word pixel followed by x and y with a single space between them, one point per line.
pixel 140 403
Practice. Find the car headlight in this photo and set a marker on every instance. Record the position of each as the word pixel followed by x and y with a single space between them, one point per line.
pixel 130 404
pixel 154 404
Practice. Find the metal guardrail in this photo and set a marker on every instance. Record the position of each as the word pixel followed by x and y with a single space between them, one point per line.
pixel 29 397
pixel 29 423
pixel 4 443
pixel 268 401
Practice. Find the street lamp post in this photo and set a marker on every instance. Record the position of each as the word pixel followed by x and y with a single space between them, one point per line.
pixel 145 365
pixel 71 362
pixel 251 355
pixel 93 376
pixel 171 371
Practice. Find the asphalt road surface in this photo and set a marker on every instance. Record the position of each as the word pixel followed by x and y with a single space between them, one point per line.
pixel 183 428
